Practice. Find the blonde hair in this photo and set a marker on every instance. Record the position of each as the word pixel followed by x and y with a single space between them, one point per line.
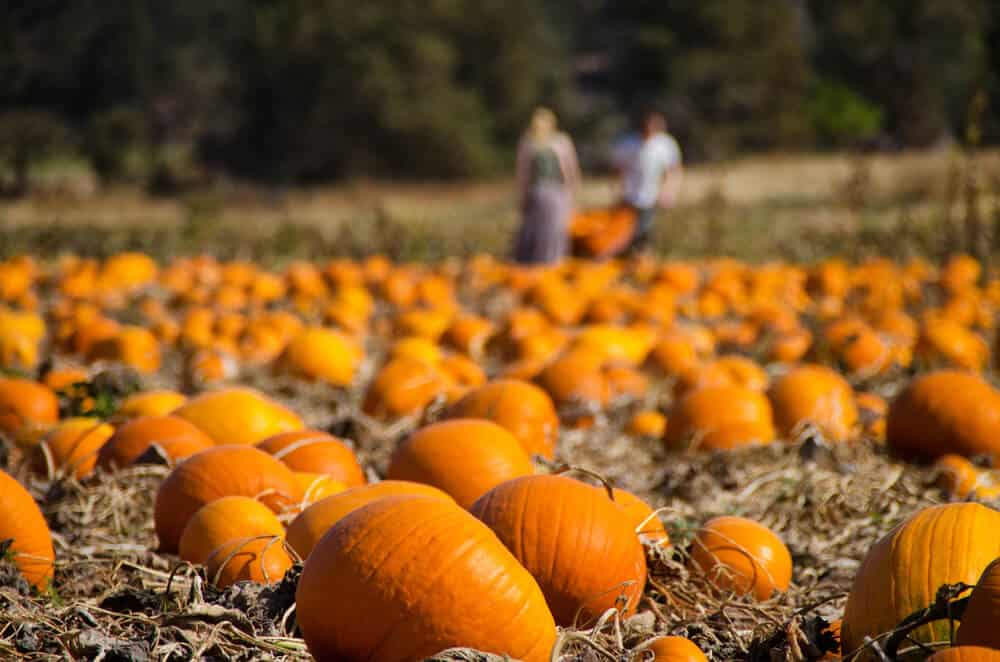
pixel 543 125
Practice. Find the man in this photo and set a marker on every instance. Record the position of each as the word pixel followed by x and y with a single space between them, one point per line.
pixel 651 172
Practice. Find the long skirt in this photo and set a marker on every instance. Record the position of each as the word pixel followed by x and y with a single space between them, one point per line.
pixel 543 237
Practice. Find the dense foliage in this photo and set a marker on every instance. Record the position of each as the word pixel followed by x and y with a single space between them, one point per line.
pixel 297 91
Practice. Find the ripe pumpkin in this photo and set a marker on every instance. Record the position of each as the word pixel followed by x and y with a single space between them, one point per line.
pixel 729 370
pixel 315 487
pixel 956 475
pixel 742 556
pixel 644 520
pixel 403 387
pixel 238 416
pixel 814 394
pixel 647 423
pixel 902 572
pixel 944 341
pixel 464 457
pixel 72 447
pixel 312 523
pixel 576 376
pixel 323 354
pixel 675 649
pixel 979 623
pixel 317 452
pixel 24 402
pixel 523 409
pixel 385 562
pixel 22 521
pixel 945 412
pixel 966 654
pixel 721 418
pixel 176 437
pixel 216 473
pixel 223 520
pixel 262 560
pixel 576 542
pixel 132 345
pixel 150 403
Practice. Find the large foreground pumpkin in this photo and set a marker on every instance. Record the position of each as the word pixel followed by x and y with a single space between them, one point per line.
pixel 580 546
pixel 945 412
pixel 238 416
pixel 215 473
pixel 22 521
pixel 903 571
pixel 407 577
pixel 966 654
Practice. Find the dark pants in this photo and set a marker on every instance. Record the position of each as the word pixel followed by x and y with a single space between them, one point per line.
pixel 643 229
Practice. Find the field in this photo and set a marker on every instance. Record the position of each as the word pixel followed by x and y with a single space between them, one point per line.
pixel 668 375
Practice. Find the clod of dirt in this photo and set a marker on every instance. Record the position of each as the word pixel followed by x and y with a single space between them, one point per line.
pixel 92 644
pixel 129 599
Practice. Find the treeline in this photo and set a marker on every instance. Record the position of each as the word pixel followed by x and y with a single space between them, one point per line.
pixel 298 91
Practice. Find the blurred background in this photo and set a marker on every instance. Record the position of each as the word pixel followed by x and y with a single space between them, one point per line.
pixel 184 110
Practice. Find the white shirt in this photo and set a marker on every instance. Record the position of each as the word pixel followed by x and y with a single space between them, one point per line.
pixel 644 164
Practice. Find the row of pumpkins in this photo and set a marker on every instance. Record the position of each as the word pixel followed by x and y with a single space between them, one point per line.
pixel 462 544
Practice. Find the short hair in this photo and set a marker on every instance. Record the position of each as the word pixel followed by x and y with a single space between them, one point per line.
pixel 652 117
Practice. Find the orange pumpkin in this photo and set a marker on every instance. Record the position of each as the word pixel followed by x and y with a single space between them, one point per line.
pixel 223 520
pixel 979 623
pixel 26 403
pixel 721 418
pixel 966 654
pixel 523 409
pixel 262 560
pixel 674 649
pixel 814 394
pixel 176 437
pixel 323 354
pixel 384 563
pixel 150 403
pixel 312 523
pixel 71 447
pixel 403 387
pixel 22 522
pixel 742 556
pixel 464 457
pixel 317 452
pixel 945 412
pixel 238 416
pixel 576 376
pixel 134 346
pixel 216 473
pixel 956 475
pixel 316 487
pixel 647 423
pixel 644 520
pixel 586 562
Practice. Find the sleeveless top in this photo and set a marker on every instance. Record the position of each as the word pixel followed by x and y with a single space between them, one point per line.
pixel 545 165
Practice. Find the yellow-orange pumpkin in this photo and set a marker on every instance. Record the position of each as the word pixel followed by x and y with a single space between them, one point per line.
pixel 224 520
pixel 22 521
pixel 238 416
pixel 176 437
pixel 742 556
pixel 523 409
pixel 318 452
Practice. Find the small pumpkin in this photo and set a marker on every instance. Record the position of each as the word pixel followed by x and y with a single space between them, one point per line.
pixel 315 487
pixel 574 540
pixel 216 473
pixel 262 560
pixel 901 573
pixel 223 520
pixel 956 475
pixel 403 387
pixel 674 649
pixel 21 521
pixel 464 457
pixel 24 402
pixel 644 520
pixel 384 562
pixel 150 403
pixel 814 394
pixel 323 354
pixel 176 437
pixel 523 409
pixel 317 452
pixel 238 416
pixel 71 447
pixel 721 418
pixel 742 556
pixel 647 423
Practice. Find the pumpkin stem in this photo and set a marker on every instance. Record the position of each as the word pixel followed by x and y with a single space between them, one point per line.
pixel 946 605
pixel 567 468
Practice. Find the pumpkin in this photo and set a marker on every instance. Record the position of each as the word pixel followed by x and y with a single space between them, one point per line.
pixel 238 416
pixel 463 457
pixel 966 654
pixel 674 649
pixel 944 341
pixel 223 520
pixel 580 546
pixel 61 379
pixel 315 487
pixel 647 423
pixel 176 437
pixel 675 354
pixel 150 403
pixel 317 452
pixel 132 345
pixel 469 334
pixel 522 408
pixel 643 519
pixel 262 560
pixel 902 572
pixel 945 412
pixel 814 394
pixel 213 474
pixel 413 576
pixel 312 523
pixel 22 521
pixel 576 376
pixel 729 370
pixel 323 354
pixel 24 402
pixel 742 556
pixel 403 387
pixel 71 447
pixel 956 475
pixel 721 418
pixel 979 623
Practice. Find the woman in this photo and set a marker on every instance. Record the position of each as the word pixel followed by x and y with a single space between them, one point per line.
pixel 548 175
